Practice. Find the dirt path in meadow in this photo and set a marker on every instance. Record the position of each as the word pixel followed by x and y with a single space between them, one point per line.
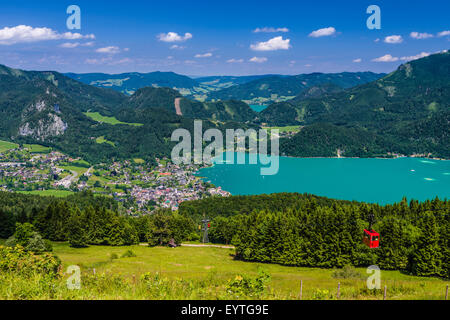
pixel 177 106
pixel 206 245
pixel 198 245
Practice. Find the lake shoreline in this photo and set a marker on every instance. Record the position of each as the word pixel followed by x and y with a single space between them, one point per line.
pixel 381 182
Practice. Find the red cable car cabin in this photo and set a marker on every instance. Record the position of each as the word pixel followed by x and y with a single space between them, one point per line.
pixel 371 238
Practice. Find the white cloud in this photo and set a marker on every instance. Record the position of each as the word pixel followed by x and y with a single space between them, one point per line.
pixel 88 44
pixel 393 39
pixel 174 37
pixel 308 65
pixel 376 40
pixel 109 61
pixel 177 47
pixel 204 55
pixel 258 59
pixel 270 30
pixel 419 56
pixel 443 33
pixel 417 35
pixel 386 58
pixel 235 61
pixel 71 45
pixel 109 50
pixel 324 32
pixel 277 43
pixel 27 34
pixel 357 60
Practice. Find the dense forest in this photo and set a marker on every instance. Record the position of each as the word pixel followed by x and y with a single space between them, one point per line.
pixel 405 112
pixel 304 230
pixel 286 228
pixel 84 219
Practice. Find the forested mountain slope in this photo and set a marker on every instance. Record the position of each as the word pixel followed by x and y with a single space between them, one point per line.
pixel 276 87
pixel 404 112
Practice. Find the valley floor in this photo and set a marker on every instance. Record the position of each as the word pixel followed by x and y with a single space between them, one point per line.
pixel 202 273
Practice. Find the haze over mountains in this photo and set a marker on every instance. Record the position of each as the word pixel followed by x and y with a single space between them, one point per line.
pixel 260 89
pixel 407 112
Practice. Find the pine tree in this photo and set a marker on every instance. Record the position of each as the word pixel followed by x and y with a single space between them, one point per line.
pixel 77 235
pixel 427 258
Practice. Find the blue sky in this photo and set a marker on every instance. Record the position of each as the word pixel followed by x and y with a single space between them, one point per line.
pixel 219 37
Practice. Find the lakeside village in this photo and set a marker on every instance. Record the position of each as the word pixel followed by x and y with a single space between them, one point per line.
pixel 138 186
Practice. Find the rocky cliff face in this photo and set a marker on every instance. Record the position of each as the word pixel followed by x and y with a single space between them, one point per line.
pixel 41 122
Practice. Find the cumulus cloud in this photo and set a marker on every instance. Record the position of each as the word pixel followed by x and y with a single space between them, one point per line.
pixel 417 35
pixel 71 45
pixel 389 58
pixel 393 39
pixel 324 32
pixel 177 47
pixel 235 61
pixel 357 60
pixel 386 58
pixel 109 50
pixel 277 43
pixel 174 37
pixel 27 34
pixel 443 33
pixel 418 56
pixel 204 55
pixel 270 30
pixel 258 59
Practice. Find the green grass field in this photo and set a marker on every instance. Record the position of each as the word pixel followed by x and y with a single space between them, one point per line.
pixel 139 161
pixel 79 170
pixel 37 148
pixel 110 120
pixel 44 193
pixel 285 129
pixel 199 264
pixel 102 139
pixel 5 146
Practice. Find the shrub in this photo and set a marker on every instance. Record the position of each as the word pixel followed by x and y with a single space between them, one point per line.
pixel 18 260
pixel 347 272
pixel 29 239
pixel 128 254
pixel 38 245
pixel 114 256
pixel 247 286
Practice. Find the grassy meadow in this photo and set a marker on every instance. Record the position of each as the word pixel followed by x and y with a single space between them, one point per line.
pixel 110 120
pixel 202 273
pixel 5 146
pixel 48 193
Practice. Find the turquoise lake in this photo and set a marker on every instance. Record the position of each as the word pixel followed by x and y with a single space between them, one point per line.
pixel 257 107
pixel 380 181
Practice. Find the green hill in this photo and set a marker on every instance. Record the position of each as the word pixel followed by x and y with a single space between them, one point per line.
pixel 405 112
pixel 136 107
pixel 282 88
pixel 129 83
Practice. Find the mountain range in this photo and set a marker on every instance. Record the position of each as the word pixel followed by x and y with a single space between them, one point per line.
pixel 405 112
pixel 258 89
